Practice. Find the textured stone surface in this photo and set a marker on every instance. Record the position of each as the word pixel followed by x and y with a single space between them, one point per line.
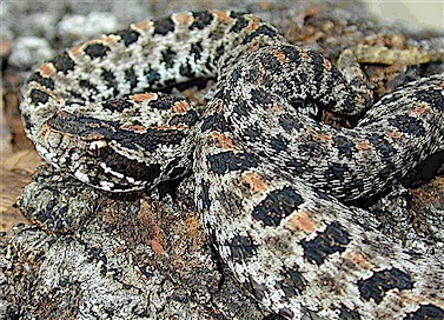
pixel 28 51
pixel 93 255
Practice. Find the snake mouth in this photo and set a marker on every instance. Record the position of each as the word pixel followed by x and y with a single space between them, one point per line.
pixel 110 171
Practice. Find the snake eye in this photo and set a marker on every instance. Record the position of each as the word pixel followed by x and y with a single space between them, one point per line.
pixel 97 148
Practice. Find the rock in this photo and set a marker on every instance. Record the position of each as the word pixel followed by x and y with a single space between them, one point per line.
pixel 28 51
pixel 76 27
pixel 102 257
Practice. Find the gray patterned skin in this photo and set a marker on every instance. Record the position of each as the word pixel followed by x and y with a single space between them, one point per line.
pixel 269 177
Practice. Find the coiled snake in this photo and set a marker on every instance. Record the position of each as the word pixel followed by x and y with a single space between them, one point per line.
pixel 268 176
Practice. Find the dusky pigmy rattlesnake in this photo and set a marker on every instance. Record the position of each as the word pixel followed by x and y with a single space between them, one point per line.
pixel 270 179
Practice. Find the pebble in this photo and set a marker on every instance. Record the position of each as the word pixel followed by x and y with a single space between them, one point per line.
pixel 77 27
pixel 28 51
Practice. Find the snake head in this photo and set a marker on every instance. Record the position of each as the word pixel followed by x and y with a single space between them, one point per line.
pixel 91 150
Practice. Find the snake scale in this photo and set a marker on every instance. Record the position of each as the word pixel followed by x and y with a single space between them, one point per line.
pixel 270 179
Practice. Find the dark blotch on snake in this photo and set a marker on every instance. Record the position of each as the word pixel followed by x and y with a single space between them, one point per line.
pixel 257 289
pixel 196 51
pixel 108 76
pixel 91 88
pixel 293 283
pixel 190 118
pixel 285 312
pixel 262 30
pixel 291 53
pixel 201 19
pixel 205 196
pixel 276 206
pixel 278 144
pixel 209 64
pixel 427 312
pixel 186 70
pixel 382 146
pixel 242 108
pixel 44 82
pixel 111 81
pixel 117 104
pixel 131 168
pixel 240 24
pixel 380 282
pixel 152 76
pixel 260 97
pixel 317 64
pixel 215 122
pixel 163 26
pixel 165 102
pixel 253 134
pixel 348 314
pixel 111 131
pixel 224 162
pixel 336 172
pixel 241 248
pixel 150 140
pixel 408 125
pixel 38 96
pixel 237 14
pixel 333 239
pixel 168 57
pixel 219 52
pixel 298 166
pixel 128 36
pixel 96 50
pixel 131 78
pixel 63 63
pixel 433 97
pixel 346 148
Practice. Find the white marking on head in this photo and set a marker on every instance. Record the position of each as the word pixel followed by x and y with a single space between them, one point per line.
pixel 107 169
pixel 106 185
pixel 81 176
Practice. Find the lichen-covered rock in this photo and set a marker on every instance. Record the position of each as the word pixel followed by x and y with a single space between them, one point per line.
pixel 75 27
pixel 28 51
pixel 94 255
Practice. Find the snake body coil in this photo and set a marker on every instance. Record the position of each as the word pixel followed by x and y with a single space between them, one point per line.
pixel 268 176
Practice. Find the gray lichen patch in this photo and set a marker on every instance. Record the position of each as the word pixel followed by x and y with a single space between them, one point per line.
pixel 52 209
